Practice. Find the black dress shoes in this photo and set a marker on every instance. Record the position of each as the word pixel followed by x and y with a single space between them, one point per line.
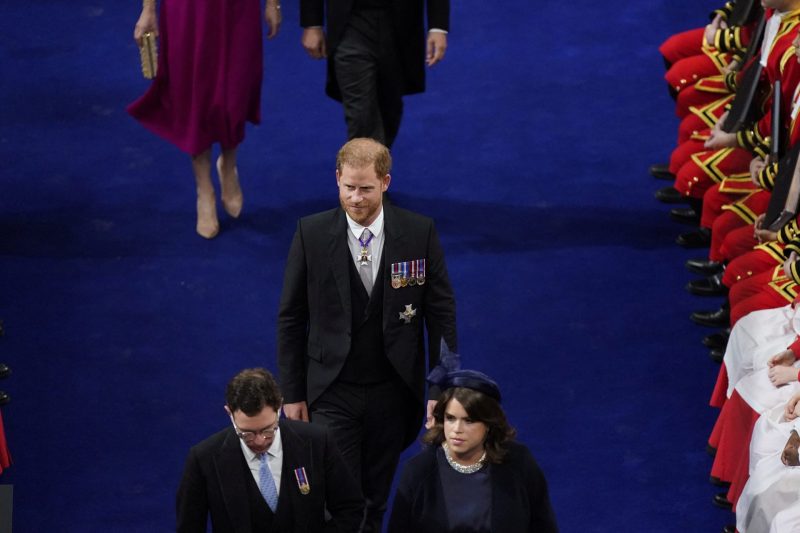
pixel 716 355
pixel 704 267
pixel 712 319
pixel 661 172
pixel 4 398
pixel 685 215
pixel 721 501
pixel 699 238
pixel 5 371
pixel 670 195
pixel 717 340
pixel 730 528
pixel 711 286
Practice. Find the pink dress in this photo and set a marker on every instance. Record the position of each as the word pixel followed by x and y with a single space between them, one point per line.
pixel 209 74
pixel 5 457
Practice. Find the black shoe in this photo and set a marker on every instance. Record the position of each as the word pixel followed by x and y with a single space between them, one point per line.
pixel 716 355
pixel 717 340
pixel 730 528
pixel 703 267
pixel 711 286
pixel 721 501
pixel 661 172
pixel 670 195
pixel 712 319
pixel 685 215
pixel 4 398
pixel 718 482
pixel 4 371
pixel 699 238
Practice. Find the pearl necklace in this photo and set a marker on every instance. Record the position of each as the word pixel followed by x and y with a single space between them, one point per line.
pixel 462 469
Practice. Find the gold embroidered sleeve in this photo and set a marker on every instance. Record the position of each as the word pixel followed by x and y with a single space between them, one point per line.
pixel 766 177
pixel 789 234
pixel 729 40
pixel 730 81
pixel 794 275
pixel 791 246
pixel 723 11
pixel 751 140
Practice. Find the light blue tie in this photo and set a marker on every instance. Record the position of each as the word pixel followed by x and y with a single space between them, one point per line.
pixel 266 483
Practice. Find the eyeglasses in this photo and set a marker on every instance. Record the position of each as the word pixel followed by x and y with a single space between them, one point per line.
pixel 249 437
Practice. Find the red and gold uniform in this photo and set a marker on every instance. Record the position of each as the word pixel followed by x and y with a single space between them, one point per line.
pixel 732 236
pixel 688 74
pixel 689 43
pixel 730 166
pixel 691 59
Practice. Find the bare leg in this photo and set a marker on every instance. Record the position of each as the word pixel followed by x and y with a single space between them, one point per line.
pixel 231 193
pixel 207 223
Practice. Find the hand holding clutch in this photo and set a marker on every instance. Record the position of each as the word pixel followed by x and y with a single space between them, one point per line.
pixel 149 54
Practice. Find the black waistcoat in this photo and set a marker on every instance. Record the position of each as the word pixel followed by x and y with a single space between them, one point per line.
pixel 366 363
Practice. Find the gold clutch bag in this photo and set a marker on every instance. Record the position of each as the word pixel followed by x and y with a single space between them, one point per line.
pixel 149 53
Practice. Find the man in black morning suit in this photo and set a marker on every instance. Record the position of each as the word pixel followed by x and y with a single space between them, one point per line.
pixel 352 319
pixel 227 475
pixel 377 51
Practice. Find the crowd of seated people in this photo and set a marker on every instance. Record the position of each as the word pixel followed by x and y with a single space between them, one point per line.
pixel 735 177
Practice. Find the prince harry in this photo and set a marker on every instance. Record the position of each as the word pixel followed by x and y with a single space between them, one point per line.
pixel 362 284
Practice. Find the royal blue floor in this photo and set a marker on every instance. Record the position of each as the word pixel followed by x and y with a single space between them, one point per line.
pixel 530 149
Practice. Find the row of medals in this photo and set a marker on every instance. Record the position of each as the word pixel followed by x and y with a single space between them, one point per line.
pixel 401 277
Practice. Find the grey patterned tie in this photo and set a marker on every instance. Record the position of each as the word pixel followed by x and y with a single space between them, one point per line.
pixel 365 267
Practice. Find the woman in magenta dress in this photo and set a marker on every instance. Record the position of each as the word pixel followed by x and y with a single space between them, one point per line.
pixel 207 86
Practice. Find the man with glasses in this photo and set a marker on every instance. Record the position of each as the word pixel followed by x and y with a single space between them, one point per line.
pixel 266 474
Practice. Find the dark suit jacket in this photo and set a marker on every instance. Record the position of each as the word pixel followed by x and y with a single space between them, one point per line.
pixel 409 25
pixel 315 317
pixel 520 501
pixel 214 483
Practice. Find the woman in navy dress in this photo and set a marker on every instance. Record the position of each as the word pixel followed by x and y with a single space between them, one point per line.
pixel 472 477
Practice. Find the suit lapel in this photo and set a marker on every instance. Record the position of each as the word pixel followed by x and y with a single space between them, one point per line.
pixel 393 243
pixel 339 254
pixel 230 473
pixel 291 506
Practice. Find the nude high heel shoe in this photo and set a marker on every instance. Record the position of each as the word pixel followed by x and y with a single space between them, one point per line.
pixel 230 193
pixel 207 222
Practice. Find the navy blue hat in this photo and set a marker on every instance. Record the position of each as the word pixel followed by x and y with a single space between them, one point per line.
pixel 448 374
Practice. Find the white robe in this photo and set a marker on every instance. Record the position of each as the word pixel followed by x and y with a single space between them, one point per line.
pixel 770 500
pixel 755 338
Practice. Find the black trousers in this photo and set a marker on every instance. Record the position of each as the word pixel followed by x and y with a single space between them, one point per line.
pixel 369 76
pixel 368 423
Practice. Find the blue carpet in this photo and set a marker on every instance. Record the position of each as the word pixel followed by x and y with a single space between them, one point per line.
pixel 530 149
